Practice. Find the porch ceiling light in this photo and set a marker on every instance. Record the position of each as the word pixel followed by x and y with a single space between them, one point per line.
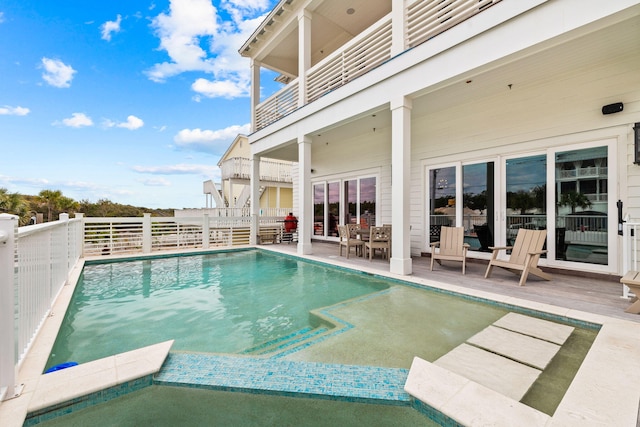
pixel 351 11
pixel 636 143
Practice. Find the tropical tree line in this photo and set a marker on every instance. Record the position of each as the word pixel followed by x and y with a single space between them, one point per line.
pixel 51 203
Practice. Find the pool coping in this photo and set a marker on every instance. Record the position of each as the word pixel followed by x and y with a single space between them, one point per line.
pixel 604 390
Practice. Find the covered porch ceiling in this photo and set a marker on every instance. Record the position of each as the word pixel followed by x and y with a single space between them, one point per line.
pixel 611 46
pixel 333 23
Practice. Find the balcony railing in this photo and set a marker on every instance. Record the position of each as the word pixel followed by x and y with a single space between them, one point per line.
pixel 270 170
pixel 424 19
pixel 277 105
pixel 365 52
pixel 427 19
pixel 589 172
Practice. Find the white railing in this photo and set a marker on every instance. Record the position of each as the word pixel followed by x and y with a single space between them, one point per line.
pixel 365 52
pixel 427 19
pixel 231 212
pixel 589 172
pixel 372 47
pixel 270 170
pixel 126 236
pixel 630 251
pixel 277 105
pixel 121 236
pixel 36 262
pixel 214 212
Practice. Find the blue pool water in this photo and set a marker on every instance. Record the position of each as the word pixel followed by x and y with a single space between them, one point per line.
pixel 216 303
pixel 236 301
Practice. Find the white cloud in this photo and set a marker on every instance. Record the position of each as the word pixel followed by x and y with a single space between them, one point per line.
pixel 110 27
pixel 220 88
pixel 181 31
pixel 209 141
pixel 132 123
pixel 155 182
pixel 189 25
pixel 179 169
pixel 14 111
pixel 1 17
pixel 57 73
pixel 77 120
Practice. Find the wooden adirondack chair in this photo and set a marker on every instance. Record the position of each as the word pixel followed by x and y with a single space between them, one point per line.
pixel 451 247
pixel 525 254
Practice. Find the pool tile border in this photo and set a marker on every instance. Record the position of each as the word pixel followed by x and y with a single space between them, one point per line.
pixel 284 377
pixel 86 401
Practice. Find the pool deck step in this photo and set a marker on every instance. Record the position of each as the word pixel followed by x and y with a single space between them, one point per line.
pixel 284 377
pixel 288 342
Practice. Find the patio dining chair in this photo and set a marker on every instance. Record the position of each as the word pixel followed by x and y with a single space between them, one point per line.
pixel 524 257
pixel 450 247
pixel 379 239
pixel 349 241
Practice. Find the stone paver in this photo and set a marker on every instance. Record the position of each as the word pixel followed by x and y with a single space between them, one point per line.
pixel 522 348
pixel 498 373
pixel 538 328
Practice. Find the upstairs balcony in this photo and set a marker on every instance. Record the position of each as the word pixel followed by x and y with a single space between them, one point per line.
pixel 238 168
pixel 372 46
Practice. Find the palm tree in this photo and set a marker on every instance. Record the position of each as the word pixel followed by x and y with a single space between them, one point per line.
pixel 521 200
pixel 574 199
pixel 14 203
pixel 52 198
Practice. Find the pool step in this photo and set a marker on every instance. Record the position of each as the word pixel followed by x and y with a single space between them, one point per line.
pixel 288 342
pixel 508 356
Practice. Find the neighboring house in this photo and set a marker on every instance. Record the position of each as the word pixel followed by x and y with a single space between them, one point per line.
pixel 480 114
pixel 275 190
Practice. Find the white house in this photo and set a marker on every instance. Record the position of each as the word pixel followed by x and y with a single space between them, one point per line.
pixel 492 115
pixel 233 191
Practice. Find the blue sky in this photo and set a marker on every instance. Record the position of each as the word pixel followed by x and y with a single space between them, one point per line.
pixel 131 101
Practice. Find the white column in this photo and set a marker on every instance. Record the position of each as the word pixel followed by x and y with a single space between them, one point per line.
pixel 146 233
pixel 65 243
pixel 8 360
pixel 206 232
pixel 304 54
pixel 278 197
pixel 255 198
pixel 305 220
pixel 398 27
pixel 255 91
pixel 81 234
pixel 400 174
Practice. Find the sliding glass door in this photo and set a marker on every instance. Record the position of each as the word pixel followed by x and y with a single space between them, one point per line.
pixel 475 190
pixel 564 191
pixel 355 199
pixel 526 195
pixel 581 199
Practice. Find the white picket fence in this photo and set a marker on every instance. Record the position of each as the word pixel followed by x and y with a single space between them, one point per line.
pixel 35 263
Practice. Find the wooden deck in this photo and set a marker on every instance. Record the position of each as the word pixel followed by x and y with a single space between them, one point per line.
pixel 597 294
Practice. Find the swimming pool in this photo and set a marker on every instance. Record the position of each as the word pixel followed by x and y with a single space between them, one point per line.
pixel 230 302
pixel 385 325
